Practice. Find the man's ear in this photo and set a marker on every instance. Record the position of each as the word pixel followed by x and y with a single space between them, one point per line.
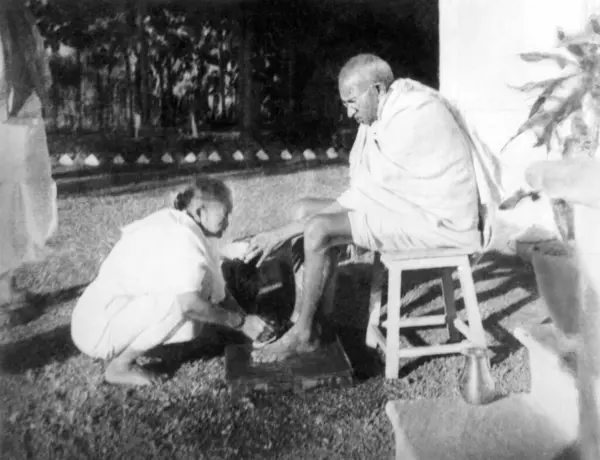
pixel 200 209
pixel 197 208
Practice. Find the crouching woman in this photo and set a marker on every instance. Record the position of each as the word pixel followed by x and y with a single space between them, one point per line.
pixel 159 283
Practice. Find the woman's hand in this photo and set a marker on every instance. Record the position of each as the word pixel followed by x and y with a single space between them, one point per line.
pixel 264 244
pixel 253 326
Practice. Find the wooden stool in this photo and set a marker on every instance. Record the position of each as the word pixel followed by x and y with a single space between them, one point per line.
pixel 448 259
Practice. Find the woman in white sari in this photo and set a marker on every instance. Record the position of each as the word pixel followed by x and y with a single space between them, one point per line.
pixel 160 283
pixel 27 191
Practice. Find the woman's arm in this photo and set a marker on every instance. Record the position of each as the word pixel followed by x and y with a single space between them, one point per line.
pixel 199 309
pixel 196 308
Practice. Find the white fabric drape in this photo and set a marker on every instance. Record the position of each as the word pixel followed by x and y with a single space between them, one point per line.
pixel 28 213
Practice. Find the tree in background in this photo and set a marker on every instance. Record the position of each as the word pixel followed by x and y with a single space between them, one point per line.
pixel 189 66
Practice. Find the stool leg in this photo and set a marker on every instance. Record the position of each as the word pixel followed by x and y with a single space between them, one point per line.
pixel 448 293
pixel 392 358
pixel 470 299
pixel 375 300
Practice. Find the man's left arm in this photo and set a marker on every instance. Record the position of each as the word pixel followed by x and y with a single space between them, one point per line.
pixel 267 242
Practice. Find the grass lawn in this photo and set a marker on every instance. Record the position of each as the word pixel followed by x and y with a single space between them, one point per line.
pixel 56 406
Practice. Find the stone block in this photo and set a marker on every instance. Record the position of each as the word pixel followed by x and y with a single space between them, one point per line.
pixel 143 160
pixel 309 155
pixel 331 153
pixel 327 366
pixel 262 155
pixel 552 362
pixel 118 160
pixel 214 157
pixel 91 161
pixel 66 160
pixel 190 158
pixel 167 158
pixel 515 427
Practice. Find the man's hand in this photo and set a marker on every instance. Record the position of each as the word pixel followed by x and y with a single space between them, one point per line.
pixel 573 180
pixel 264 244
pixel 516 198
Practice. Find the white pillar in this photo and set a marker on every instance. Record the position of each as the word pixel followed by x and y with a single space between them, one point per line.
pixel 593 7
pixel 479 46
pixel 480 42
pixel 587 220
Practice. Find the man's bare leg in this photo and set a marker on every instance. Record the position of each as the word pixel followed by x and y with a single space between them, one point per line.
pixel 302 209
pixel 322 233
pixel 328 297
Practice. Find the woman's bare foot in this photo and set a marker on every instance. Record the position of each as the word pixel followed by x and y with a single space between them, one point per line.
pixel 128 373
pixel 294 342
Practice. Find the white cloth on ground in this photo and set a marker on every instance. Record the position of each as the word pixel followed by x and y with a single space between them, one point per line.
pixel 132 301
pixel 27 191
pixel 414 183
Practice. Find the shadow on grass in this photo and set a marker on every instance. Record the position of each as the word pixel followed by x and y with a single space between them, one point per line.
pixel 349 318
pixel 41 349
pixel 351 314
pixel 57 346
pixel 64 295
pixel 38 351
pixel 38 304
pixel 211 343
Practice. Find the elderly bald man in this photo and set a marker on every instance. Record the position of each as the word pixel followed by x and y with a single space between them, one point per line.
pixel 412 185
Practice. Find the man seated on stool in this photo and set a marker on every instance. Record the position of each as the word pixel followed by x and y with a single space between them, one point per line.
pixel 413 185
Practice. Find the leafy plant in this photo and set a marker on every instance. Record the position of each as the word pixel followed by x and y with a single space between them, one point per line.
pixel 570 100
pixel 565 116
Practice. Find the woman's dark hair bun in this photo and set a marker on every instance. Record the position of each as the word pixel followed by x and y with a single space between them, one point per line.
pixel 205 188
pixel 183 199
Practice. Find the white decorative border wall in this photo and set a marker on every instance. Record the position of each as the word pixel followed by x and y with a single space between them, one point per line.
pixel 69 162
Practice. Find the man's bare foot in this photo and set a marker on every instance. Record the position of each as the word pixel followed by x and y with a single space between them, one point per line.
pixel 122 373
pixel 292 343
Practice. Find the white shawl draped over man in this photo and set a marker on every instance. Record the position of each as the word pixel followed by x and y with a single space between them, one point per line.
pixel 419 178
pixel 27 191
